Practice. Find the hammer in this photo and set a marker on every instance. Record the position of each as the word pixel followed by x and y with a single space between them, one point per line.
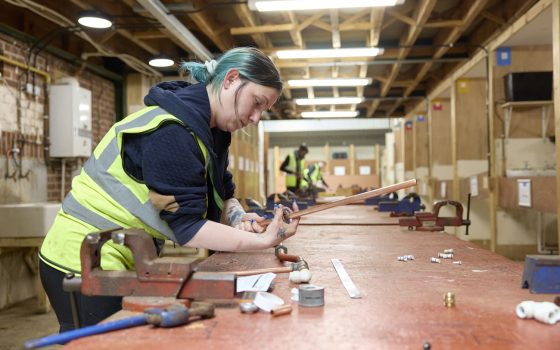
pixel 172 316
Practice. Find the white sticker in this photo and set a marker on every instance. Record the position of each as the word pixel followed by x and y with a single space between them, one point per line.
pixel 365 170
pixel 443 189
pixel 340 170
pixel 524 192
pixel 474 186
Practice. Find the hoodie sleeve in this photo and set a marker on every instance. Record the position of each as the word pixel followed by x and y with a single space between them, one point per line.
pixel 169 162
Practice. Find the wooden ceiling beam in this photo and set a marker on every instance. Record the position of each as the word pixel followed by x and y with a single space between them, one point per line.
pixel 295 34
pixel 335 31
pixel 248 19
pixel 312 19
pixel 472 9
pixel 149 35
pixel 398 16
pixel 270 28
pixel 422 13
pixel 355 17
pixel 123 32
pixel 208 26
pixel 444 23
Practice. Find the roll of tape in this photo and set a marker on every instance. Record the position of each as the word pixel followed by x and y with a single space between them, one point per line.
pixel 311 295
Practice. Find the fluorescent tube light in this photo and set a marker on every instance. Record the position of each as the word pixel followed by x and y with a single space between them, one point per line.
pixel 295 5
pixel 329 101
pixel 330 114
pixel 330 53
pixel 329 82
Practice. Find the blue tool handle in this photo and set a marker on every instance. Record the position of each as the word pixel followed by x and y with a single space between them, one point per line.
pixel 65 337
pixel 170 317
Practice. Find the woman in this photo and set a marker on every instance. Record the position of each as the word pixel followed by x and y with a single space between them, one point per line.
pixel 163 169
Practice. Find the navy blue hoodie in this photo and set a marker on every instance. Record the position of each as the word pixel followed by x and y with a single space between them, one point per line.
pixel 169 161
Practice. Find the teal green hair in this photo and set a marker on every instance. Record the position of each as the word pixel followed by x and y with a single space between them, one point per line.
pixel 253 65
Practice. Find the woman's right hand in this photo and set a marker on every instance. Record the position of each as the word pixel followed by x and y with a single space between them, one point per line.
pixel 278 230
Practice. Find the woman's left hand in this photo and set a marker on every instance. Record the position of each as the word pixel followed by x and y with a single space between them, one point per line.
pixel 250 223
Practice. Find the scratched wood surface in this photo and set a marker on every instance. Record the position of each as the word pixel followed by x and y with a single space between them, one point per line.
pixel 401 305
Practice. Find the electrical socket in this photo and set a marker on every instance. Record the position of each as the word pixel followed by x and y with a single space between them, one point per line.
pixel 33 90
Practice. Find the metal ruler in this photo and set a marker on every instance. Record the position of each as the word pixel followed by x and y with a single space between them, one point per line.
pixel 346 280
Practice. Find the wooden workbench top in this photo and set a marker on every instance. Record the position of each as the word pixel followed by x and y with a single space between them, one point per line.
pixel 401 305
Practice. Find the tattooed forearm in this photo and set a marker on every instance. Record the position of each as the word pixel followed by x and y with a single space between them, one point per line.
pixel 281 233
pixel 234 212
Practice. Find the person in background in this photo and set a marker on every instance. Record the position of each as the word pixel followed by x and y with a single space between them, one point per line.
pixel 293 166
pixel 164 169
pixel 313 176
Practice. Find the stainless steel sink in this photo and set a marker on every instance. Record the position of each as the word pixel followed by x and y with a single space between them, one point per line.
pixel 27 220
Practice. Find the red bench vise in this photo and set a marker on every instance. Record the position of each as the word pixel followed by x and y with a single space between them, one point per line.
pixel 425 221
pixel 174 277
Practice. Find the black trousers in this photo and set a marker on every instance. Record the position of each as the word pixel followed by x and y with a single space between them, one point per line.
pixel 91 310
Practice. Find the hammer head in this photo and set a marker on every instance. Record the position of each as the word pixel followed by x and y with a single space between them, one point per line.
pixel 178 314
pixel 202 309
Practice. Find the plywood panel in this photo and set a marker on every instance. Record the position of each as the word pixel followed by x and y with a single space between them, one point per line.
pixel 421 129
pixel 398 133
pixel 333 163
pixel 408 146
pixel 543 193
pixel 471 119
pixel 441 132
pixel 525 123
pixel 244 148
pixel 371 163
pixel 363 181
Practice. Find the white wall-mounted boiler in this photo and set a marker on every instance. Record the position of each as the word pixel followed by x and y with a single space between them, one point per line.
pixel 69 119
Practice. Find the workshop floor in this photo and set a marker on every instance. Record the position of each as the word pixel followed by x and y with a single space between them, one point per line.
pixel 21 322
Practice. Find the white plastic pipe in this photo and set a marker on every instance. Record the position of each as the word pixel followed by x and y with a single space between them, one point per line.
pixel 545 311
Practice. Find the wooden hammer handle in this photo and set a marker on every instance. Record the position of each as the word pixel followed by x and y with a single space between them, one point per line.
pixel 348 200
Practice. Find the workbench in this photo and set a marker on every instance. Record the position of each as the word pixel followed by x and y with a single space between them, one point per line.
pixel 401 305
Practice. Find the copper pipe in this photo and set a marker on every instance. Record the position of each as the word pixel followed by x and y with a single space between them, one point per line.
pixel 287 257
pixel 260 271
pixel 348 200
pixel 281 310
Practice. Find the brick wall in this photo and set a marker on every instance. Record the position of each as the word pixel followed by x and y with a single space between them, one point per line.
pixel 32 119
pixel 40 177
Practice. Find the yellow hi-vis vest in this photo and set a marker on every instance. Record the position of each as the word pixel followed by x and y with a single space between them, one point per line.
pixel 315 176
pixel 104 196
pixel 291 179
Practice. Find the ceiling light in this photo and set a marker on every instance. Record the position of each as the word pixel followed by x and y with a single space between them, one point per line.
pixel 329 101
pixel 330 114
pixel 294 5
pixel 329 82
pixel 161 62
pixel 94 19
pixel 330 53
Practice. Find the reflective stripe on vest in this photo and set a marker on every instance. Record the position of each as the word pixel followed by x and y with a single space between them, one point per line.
pixel 126 199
